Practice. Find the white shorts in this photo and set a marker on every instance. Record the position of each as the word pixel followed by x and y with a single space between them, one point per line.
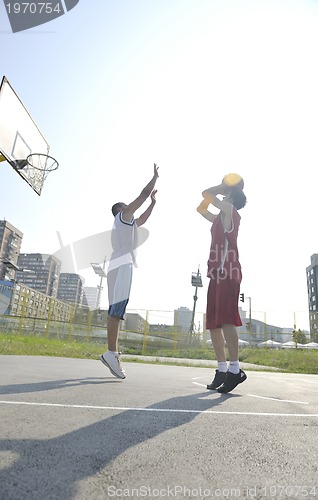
pixel 119 284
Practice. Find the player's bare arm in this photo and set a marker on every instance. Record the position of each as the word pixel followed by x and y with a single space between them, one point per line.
pixel 128 212
pixel 211 196
pixel 203 210
pixel 225 206
pixel 145 216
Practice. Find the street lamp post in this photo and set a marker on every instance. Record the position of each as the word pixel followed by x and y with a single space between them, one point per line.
pixel 196 281
pixel 250 314
pixel 100 271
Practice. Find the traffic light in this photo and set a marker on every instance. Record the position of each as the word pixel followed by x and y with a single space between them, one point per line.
pixel 242 297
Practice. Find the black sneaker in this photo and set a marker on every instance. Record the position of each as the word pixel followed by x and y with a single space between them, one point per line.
pixel 218 380
pixel 232 380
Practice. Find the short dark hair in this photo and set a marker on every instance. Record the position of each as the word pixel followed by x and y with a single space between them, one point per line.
pixel 238 198
pixel 117 208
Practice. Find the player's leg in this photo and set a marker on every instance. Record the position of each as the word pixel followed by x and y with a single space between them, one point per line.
pixel 114 312
pixel 231 337
pixel 113 323
pixel 119 285
pixel 218 344
pixel 111 358
pixel 229 318
pixel 216 333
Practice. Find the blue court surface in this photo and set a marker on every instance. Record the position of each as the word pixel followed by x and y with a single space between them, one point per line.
pixel 70 430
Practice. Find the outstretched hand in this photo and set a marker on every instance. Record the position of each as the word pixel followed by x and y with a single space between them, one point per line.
pixel 155 170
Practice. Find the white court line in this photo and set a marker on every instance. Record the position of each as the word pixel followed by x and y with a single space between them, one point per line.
pixel 197 383
pixel 279 400
pixel 262 397
pixel 163 410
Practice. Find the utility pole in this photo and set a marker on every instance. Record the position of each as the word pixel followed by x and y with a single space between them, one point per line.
pixel 250 315
pixel 242 298
pixel 196 281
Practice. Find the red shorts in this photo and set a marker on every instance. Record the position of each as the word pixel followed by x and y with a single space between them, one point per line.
pixel 222 303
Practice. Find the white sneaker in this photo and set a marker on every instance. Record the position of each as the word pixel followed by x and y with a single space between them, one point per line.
pixel 112 361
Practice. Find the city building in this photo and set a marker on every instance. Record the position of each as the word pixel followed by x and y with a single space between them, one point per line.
pixel 245 322
pixel 40 272
pixel 162 328
pixel 263 331
pixel 182 319
pixel 28 303
pixel 10 244
pixel 90 296
pixel 312 288
pixel 134 322
pixel 70 288
pixel 259 330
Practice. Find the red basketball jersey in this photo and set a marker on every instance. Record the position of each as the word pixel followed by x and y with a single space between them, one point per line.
pixel 224 256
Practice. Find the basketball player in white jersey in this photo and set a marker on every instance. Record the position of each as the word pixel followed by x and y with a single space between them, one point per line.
pixel 119 274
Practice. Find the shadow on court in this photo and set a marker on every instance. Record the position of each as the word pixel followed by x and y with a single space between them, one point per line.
pixel 54 384
pixel 51 468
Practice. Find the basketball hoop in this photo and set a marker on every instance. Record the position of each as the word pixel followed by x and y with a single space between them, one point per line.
pixel 39 161
pixel 42 162
pixel 36 167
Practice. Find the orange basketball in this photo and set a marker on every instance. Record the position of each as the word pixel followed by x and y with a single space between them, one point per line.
pixel 234 180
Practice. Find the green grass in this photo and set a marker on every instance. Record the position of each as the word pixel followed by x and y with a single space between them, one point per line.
pixel 39 346
pixel 288 360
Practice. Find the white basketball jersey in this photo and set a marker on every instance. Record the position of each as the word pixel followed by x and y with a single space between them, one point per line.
pixel 124 242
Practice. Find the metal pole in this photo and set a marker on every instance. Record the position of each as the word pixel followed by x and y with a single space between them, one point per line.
pixel 195 283
pixel 100 286
pixel 195 298
pixel 99 293
pixel 250 314
pixel 11 297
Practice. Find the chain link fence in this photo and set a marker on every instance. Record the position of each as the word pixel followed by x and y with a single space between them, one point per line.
pixel 148 331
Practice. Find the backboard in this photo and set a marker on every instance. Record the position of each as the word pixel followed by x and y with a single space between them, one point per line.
pixel 20 136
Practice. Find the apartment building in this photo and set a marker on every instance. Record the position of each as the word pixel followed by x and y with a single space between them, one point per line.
pixel 70 288
pixel 40 272
pixel 90 296
pixel 312 288
pixel 10 244
pixel 182 319
pixel 31 303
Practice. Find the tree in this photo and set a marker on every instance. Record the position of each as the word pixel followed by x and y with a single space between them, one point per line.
pixel 299 337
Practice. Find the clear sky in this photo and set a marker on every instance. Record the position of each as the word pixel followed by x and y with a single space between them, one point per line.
pixel 202 88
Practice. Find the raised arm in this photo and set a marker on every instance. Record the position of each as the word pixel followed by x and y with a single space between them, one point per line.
pixel 128 212
pixel 211 196
pixel 203 210
pixel 145 216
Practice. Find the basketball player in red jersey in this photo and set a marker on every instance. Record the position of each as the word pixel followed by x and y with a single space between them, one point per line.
pixel 224 271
